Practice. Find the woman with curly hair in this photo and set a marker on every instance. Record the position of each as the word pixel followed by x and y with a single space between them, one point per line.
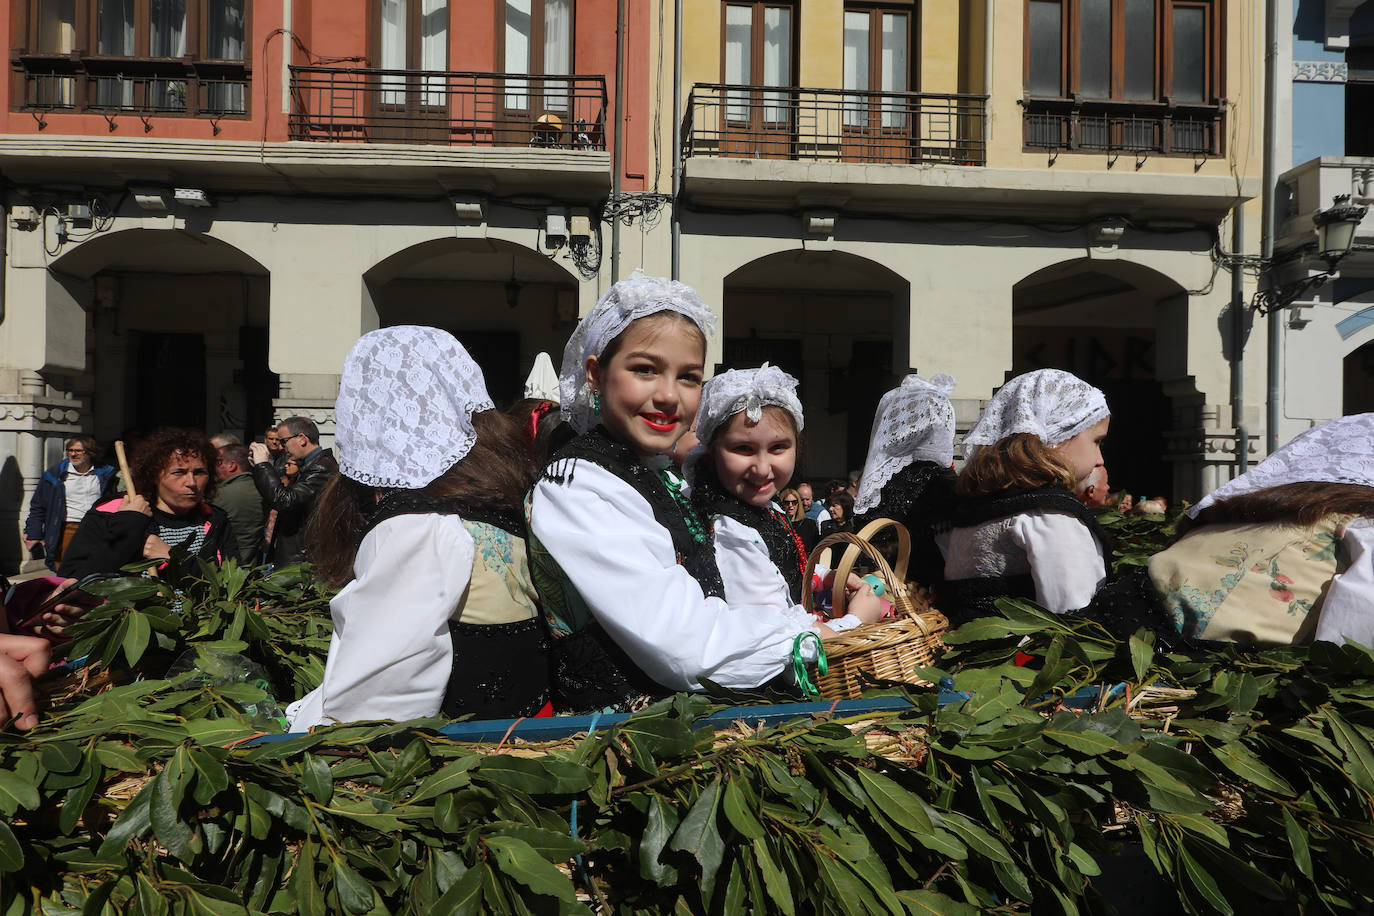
pixel 172 476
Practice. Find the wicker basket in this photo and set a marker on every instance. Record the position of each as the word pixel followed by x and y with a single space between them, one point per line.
pixel 889 649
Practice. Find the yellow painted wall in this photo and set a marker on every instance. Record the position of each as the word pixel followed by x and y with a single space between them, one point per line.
pixel 939 46
pixel 701 38
pixel 821 61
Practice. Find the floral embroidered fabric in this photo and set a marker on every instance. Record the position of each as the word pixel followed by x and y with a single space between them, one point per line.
pixel 914 422
pixel 406 400
pixel 1050 404
pixel 1259 583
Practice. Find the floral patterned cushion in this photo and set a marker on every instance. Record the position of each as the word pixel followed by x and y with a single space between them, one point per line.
pixel 1249 583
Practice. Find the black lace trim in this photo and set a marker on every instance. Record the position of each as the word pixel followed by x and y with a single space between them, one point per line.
pixel 772 529
pixel 590 672
pixel 596 446
pixel 414 502
pixel 920 496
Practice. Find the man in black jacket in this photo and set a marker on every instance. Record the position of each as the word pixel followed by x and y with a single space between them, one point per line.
pixel 289 505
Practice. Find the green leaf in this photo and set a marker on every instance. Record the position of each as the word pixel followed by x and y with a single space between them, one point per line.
pixel 121 757
pixel 553 845
pixel 74 805
pixel 699 835
pixel 11 853
pixel 774 878
pixel 930 903
pixel 16 792
pixel 1240 760
pixel 137 629
pixel 446 779
pixel 318 780
pixel 150 902
pixel 659 825
pixel 1359 757
pixel 1297 839
pixel 523 864
pixel 1202 881
pixel 354 893
pixel 211 777
pixel 895 801
pixel 1142 653
pixel 309 895
pixel 534 775
pixel 132 824
pixel 739 811
pixel 61 756
pixel 167 826
pixel 464 897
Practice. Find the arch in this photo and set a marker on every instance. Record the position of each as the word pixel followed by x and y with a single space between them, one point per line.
pixel 1108 321
pixel 464 285
pixel 178 334
pixel 835 320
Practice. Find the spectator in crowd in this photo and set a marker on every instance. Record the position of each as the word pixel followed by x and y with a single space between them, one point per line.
pixel 220 440
pixel 171 472
pixel 806 529
pixel 292 504
pixel 853 486
pixel 66 492
pixel 238 497
pixel 276 455
pixel 840 505
pixel 814 508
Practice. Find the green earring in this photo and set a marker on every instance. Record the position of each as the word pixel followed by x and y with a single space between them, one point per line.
pixel 596 403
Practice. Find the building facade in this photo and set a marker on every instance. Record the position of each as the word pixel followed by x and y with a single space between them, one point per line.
pixel 1325 127
pixel 208 201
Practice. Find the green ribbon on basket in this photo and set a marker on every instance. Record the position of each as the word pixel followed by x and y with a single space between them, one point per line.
pixel 799 664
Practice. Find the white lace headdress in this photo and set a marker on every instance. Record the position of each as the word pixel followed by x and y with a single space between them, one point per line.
pixel 915 422
pixel 1338 451
pixel 1051 404
pixel 736 390
pixel 632 298
pixel 406 400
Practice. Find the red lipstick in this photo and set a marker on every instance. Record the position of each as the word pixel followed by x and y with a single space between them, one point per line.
pixel 659 422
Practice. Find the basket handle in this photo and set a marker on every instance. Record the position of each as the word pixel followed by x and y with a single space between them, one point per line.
pixel 854 545
pixel 903 542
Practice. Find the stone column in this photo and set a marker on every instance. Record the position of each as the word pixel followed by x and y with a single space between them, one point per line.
pixel 309 395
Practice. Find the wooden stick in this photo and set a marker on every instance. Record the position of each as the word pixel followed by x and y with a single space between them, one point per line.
pixel 129 489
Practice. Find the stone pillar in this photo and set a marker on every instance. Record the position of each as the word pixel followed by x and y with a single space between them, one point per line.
pixel 310 395
pixel 29 417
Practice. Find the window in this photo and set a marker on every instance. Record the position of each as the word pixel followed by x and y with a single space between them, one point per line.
pixel 160 56
pixel 1131 50
pixel 536 39
pixel 877 43
pixel 758 40
pixel 1136 75
pixel 412 35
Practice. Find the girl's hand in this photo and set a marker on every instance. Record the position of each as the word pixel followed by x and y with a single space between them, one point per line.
pixel 22 659
pixel 865 605
pixel 155 548
pixel 136 504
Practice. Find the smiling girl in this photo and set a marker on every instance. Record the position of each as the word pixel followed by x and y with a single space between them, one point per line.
pixel 624 563
pixel 1021 530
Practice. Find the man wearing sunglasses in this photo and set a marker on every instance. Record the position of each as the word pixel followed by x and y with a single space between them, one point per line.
pixel 289 506
pixel 65 493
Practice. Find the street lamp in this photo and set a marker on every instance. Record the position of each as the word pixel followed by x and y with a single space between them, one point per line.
pixel 1335 235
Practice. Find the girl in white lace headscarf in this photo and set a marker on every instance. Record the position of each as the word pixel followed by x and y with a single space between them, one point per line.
pixel 423 530
pixel 624 562
pixel 907 475
pixel 1020 530
pixel 1285 552
pixel 750 427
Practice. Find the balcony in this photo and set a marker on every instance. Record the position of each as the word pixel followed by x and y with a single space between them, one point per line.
pixel 355 105
pixel 141 87
pixel 1309 187
pixel 834 125
pixel 1134 128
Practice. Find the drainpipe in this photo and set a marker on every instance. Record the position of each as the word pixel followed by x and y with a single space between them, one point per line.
pixel 1274 398
pixel 618 156
pixel 675 149
pixel 1239 310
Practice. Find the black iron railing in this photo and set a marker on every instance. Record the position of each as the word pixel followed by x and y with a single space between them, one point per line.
pixel 341 104
pixel 1129 127
pixel 757 122
pixel 139 86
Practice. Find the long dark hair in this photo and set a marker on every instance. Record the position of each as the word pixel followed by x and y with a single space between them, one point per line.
pixel 1292 503
pixel 495 474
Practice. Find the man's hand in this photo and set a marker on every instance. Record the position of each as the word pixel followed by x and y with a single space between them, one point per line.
pixel 22 659
pixel 258 452
pixel 28 545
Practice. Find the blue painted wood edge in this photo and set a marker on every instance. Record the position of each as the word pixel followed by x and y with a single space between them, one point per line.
pixel 552 728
